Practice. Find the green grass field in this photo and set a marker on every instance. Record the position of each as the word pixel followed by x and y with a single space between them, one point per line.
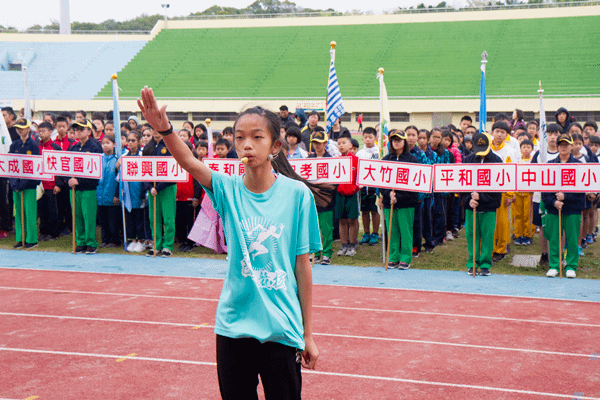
pixel 449 257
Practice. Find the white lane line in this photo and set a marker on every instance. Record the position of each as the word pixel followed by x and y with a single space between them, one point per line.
pixel 369 338
pixel 536 321
pixel 111 294
pixel 326 373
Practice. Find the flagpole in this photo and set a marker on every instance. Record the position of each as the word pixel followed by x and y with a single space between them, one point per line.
pixel 118 151
pixel 380 140
pixel 483 96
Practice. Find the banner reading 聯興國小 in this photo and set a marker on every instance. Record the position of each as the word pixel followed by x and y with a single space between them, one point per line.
pixel 152 169
pixel 23 166
pixel 72 164
pixel 394 175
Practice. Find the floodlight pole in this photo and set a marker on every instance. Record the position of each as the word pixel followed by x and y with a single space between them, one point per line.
pixel 165 6
pixel 27 107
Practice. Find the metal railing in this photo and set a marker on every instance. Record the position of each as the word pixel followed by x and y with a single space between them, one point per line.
pixel 75 32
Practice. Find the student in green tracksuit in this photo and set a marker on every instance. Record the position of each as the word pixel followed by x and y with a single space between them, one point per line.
pixel 485 205
pixel 165 195
pixel 86 207
pixel 25 189
pixel 571 206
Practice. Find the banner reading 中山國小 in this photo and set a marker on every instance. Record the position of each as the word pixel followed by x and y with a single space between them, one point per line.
pixel 394 175
pixel 73 164
pixel 558 177
pixel 475 177
pixel 23 166
pixel 152 169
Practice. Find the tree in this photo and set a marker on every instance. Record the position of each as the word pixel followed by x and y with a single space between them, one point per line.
pixel 442 5
pixel 421 6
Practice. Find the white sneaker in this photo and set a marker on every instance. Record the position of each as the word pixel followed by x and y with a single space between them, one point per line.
pixel 132 246
pixel 571 273
pixel 351 251
pixel 449 236
pixel 552 273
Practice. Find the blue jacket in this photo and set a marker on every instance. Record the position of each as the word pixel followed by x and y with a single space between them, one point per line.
pixel 29 147
pixel 90 146
pixel 574 203
pixel 136 194
pixel 108 187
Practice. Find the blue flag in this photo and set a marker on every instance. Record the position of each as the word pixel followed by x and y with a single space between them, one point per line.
pixel 334 107
pixel 482 96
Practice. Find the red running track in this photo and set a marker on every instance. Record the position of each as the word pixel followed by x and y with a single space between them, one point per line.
pixel 66 335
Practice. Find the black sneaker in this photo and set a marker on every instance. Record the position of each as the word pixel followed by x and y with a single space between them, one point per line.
pixel 80 249
pixel 470 271
pixel 91 250
pixel 326 260
pixel 18 245
pixel 544 259
pixel 150 253
pixel 30 245
pixel 428 249
pixel 403 265
pixel 166 253
pixel 485 272
pixel 498 257
pixel 392 265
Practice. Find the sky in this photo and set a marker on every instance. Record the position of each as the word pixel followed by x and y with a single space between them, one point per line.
pixel 25 13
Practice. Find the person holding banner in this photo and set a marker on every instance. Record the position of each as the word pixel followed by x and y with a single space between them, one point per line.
pixel 24 190
pixel 439 212
pixel 165 196
pixel 485 205
pixel 47 204
pixel 569 207
pixel 263 322
pixel 85 206
pixel 500 146
pixel 399 207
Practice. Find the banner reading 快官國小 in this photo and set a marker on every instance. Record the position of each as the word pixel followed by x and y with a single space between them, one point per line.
pixel 475 177
pixel 394 175
pixel 73 164
pixel 23 166
pixel 152 169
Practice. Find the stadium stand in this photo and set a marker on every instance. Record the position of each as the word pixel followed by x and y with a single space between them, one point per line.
pixel 434 60
pixel 67 70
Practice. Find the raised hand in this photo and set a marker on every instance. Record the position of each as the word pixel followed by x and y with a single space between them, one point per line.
pixel 156 117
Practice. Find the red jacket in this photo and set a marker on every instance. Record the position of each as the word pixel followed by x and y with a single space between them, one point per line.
pixel 185 190
pixel 348 189
pixel 64 143
pixel 49 145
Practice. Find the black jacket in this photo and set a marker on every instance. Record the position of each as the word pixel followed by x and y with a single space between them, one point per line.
pixel 574 203
pixel 160 150
pixel 403 199
pixel 90 146
pixel 29 147
pixel 568 121
pixel 488 201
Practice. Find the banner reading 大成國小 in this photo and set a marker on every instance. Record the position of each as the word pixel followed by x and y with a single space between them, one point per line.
pixel 23 166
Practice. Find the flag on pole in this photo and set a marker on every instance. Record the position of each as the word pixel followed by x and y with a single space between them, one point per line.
pixel 482 95
pixel 333 103
pixel 384 112
pixel 209 135
pixel 543 139
pixel 5 140
pixel 123 186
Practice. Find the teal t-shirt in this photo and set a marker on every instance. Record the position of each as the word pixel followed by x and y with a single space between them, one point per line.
pixel 265 232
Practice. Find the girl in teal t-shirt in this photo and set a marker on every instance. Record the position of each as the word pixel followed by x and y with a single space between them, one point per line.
pixel 263 321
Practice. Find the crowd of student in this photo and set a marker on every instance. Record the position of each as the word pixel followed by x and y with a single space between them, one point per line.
pixel 419 222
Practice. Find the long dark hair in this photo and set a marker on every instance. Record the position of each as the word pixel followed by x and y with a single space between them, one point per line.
pixel 322 192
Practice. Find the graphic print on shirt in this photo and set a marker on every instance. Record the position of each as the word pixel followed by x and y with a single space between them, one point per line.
pixel 261 236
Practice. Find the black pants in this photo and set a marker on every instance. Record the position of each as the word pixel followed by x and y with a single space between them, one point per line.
pixel 134 222
pixel 63 204
pixel 48 213
pixel 184 221
pixel 418 228
pixel 110 219
pixel 241 361
pixel 6 206
pixel 439 218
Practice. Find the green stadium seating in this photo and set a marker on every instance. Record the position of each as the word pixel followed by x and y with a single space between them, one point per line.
pixel 436 59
